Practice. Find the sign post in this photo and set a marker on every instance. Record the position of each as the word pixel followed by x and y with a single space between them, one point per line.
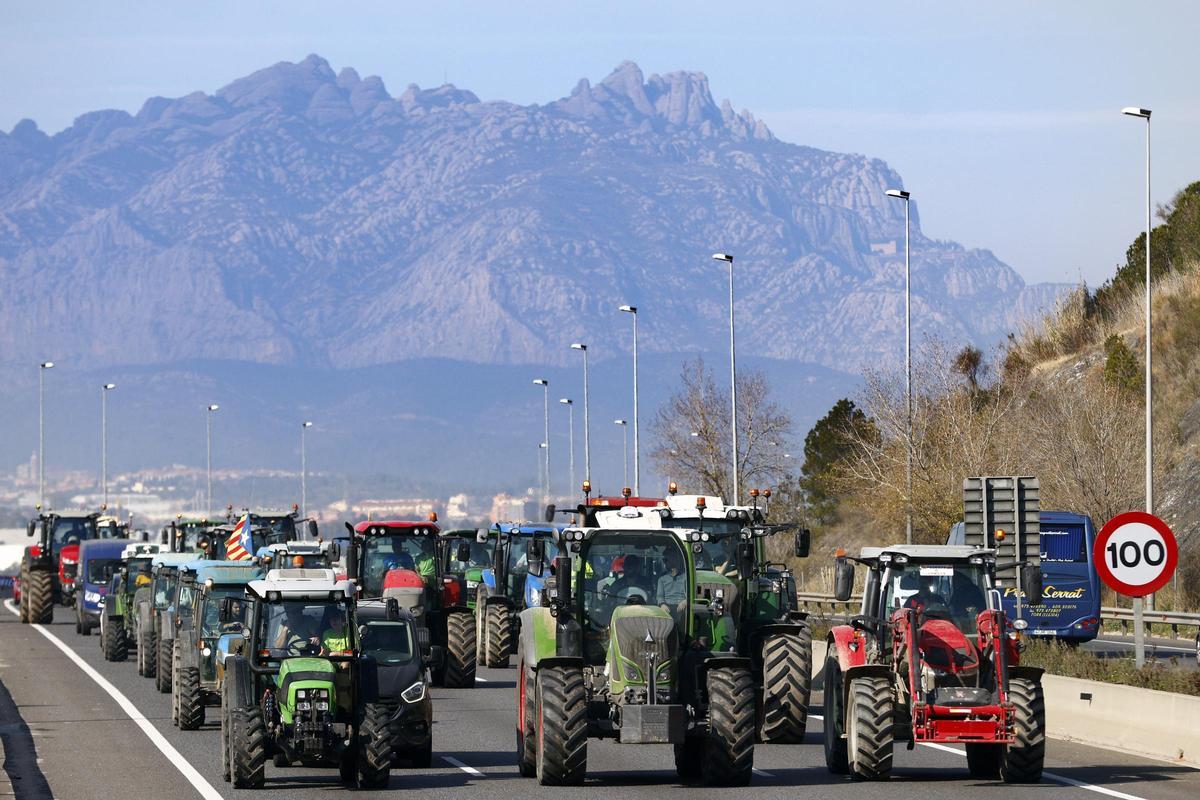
pixel 1135 555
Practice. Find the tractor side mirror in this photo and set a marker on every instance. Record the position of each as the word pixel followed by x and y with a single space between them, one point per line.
pixel 551 509
pixel 424 644
pixel 313 533
pixel 31 528
pixel 803 542
pixel 536 557
pixel 745 565
pixel 393 609
pixel 463 556
pixel 351 555
pixel 1031 585
pixel 333 552
pixel 843 580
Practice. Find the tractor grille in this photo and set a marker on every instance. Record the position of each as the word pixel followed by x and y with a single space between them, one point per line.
pixel 632 634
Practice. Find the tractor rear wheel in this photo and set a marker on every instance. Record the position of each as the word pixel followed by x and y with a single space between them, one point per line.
pixel 190 701
pixel 498 639
pixel 1023 759
pixel 561 707
pixel 147 654
pixel 729 745
pixel 247 748
pixel 526 714
pixel 869 738
pixel 162 667
pixel 459 671
pixel 837 760
pixel 40 589
pixel 983 760
pixel 374 758
pixel 787 684
pixel 116 648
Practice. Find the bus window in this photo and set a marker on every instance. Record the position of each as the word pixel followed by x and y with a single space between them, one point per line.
pixel 1064 543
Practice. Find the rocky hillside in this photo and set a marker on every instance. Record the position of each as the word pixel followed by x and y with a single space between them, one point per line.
pixel 300 216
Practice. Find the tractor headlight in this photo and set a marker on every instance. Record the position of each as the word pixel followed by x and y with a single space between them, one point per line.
pixel 322 705
pixel 304 706
pixel 302 694
pixel 414 693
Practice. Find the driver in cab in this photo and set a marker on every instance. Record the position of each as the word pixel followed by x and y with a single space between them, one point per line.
pixel 629 580
pixel 297 633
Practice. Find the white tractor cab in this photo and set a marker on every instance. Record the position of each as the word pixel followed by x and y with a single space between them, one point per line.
pixel 142 550
pixel 311 555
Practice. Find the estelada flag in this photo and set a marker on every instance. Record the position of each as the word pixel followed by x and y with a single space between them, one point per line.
pixel 238 545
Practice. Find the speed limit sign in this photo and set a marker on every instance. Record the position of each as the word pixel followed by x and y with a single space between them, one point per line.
pixel 1135 554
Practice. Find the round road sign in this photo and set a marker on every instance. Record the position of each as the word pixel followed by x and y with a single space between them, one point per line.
pixel 1135 553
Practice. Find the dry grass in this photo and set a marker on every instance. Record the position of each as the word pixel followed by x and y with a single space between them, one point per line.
pixel 1072 662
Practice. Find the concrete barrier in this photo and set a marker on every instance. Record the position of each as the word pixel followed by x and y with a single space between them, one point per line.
pixel 1161 725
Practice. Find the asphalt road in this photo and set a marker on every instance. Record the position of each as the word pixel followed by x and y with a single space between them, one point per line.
pixel 1180 652
pixel 65 734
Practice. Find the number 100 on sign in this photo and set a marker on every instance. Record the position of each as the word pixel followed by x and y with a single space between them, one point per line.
pixel 1136 553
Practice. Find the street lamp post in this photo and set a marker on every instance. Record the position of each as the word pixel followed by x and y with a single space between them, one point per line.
pixel 587 441
pixel 545 384
pixel 304 426
pixel 104 390
pixel 1138 633
pixel 637 471
pixel 624 450
pixel 908 444
pixel 45 365
pixel 208 453
pixel 570 404
pixel 728 259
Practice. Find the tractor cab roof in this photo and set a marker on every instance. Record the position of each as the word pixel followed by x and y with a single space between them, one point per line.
pixel 526 528
pixel 173 559
pixel 223 572
pixel 141 550
pixel 293 549
pixel 924 552
pixel 70 513
pixel 301 584
pixel 396 527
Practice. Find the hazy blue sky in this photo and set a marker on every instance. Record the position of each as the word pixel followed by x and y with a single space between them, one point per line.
pixel 1002 117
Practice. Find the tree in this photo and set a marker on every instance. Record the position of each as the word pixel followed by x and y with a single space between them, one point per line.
pixel 1121 369
pixel 692 434
pixel 825 447
pixel 969 364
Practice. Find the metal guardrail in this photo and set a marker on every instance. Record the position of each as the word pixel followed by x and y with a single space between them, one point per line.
pixel 826 606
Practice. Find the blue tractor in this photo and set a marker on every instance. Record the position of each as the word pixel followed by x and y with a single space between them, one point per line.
pixel 508 587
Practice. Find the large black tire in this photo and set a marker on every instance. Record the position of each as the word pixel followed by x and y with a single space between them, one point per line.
pixel 1023 759
pixel 247 748
pixel 162 666
pixel 374 759
pixel 23 603
pixel 983 760
pixel 729 745
pixel 787 684
pixel 459 669
pixel 116 646
pixel 190 701
pixel 526 713
pixel 561 709
pixel 225 776
pixel 689 758
pixel 837 760
pixel 498 641
pixel 147 654
pixel 78 619
pixel 40 591
pixel 869 739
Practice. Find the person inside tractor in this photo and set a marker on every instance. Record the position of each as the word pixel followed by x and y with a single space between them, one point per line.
pixel 385 553
pixel 336 638
pixel 947 599
pixel 290 631
pixel 73 531
pixel 672 584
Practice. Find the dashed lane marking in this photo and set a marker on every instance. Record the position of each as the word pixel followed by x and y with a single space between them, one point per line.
pixel 454 762
pixel 176 758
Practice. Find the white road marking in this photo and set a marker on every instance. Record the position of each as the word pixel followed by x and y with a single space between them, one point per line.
pixel 1149 645
pixel 452 761
pixel 480 680
pixel 1063 779
pixel 174 756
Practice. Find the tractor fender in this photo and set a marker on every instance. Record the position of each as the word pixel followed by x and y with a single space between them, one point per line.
pixel 721 661
pixel 238 683
pixel 862 671
pixel 558 661
pixel 498 600
pixel 539 635
pixel 145 615
pixel 166 624
pixel 189 650
pixel 850 646
pixel 1028 673
pixel 488 578
pixel 777 628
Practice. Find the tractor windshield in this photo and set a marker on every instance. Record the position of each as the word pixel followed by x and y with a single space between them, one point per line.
pixel 518 554
pixel 719 554
pixel 72 530
pixel 137 573
pixel 955 592
pixel 381 554
pixel 278 529
pixel 628 568
pixel 480 558
pixel 210 624
pixel 389 643
pixel 162 590
pixel 305 628
pixel 111 531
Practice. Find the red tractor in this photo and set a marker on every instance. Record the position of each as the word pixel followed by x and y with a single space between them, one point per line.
pixel 48 567
pixel 932 658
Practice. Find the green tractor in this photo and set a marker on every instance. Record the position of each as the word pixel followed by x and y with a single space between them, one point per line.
pixel 118 620
pixel 466 553
pixel 202 587
pixel 626 647
pixel 295 684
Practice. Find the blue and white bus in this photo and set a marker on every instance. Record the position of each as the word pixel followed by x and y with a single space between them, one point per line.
pixel 1070 608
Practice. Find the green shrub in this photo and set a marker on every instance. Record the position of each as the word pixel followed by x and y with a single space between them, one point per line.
pixel 1072 662
pixel 1121 368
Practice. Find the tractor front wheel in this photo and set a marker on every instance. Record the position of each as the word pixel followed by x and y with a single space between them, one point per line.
pixel 374 758
pixel 526 714
pixel 162 666
pixel 498 638
pixel 40 589
pixel 1023 759
pixel 147 654
pixel 247 748
pixel 561 707
pixel 729 745
pixel 787 684
pixel 459 670
pixel 869 737
pixel 837 760
pixel 116 648
pixel 190 701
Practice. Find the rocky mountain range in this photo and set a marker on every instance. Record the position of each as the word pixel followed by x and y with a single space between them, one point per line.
pixel 301 216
